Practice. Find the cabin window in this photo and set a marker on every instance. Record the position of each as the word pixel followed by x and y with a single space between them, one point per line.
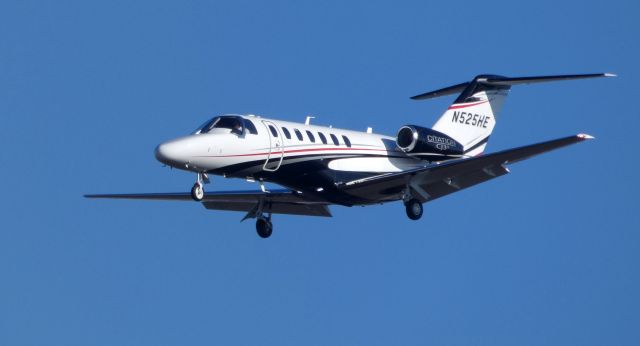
pixel 298 134
pixel 311 137
pixel 346 141
pixel 274 132
pixel 322 138
pixel 286 133
pixel 334 139
pixel 248 124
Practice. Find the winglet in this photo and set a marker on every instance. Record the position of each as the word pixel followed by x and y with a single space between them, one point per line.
pixel 585 136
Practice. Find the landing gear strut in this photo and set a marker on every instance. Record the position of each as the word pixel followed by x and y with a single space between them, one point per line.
pixel 414 209
pixel 197 191
pixel 264 227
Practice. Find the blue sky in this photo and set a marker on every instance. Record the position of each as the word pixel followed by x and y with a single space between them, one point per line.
pixel 546 255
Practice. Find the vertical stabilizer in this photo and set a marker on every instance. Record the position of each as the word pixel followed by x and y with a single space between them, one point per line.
pixel 473 115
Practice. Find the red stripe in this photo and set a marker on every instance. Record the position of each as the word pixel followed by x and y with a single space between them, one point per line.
pixel 294 151
pixel 467 105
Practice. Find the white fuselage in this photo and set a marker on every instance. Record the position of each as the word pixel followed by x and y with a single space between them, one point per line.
pixel 295 155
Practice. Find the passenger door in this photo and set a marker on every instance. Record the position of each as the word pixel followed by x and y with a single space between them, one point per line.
pixel 276 147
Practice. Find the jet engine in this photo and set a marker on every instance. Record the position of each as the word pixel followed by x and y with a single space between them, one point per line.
pixel 427 144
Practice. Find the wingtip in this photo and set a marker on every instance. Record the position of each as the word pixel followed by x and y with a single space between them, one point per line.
pixel 610 75
pixel 585 136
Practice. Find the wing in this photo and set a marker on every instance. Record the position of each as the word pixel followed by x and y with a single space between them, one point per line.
pixel 277 201
pixel 429 183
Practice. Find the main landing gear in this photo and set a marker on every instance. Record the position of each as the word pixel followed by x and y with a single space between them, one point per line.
pixel 414 209
pixel 264 227
pixel 197 191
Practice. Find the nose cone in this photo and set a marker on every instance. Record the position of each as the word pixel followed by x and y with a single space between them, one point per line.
pixel 187 153
pixel 170 153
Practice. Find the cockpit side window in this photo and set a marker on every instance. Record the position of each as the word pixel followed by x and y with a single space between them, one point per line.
pixel 248 124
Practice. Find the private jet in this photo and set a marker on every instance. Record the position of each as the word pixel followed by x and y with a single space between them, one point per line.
pixel 320 166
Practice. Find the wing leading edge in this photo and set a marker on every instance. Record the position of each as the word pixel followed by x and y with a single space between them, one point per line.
pixel 276 202
pixel 429 183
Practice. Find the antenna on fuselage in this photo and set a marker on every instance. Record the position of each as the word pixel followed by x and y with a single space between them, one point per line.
pixel 308 120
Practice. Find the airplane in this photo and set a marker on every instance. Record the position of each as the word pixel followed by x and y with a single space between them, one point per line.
pixel 320 166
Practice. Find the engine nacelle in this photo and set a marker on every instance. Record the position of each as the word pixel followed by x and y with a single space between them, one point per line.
pixel 427 144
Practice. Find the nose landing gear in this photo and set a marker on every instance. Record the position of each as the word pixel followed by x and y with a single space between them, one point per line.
pixel 197 191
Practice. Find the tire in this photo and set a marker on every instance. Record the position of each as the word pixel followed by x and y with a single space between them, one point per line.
pixel 264 228
pixel 414 209
pixel 197 192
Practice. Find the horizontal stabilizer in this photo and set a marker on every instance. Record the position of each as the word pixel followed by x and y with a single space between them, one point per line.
pixel 505 81
pixel 539 79
pixel 454 89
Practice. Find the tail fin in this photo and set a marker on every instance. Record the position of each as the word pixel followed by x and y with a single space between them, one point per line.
pixel 472 116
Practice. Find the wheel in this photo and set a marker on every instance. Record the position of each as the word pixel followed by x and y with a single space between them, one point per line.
pixel 197 192
pixel 264 228
pixel 414 209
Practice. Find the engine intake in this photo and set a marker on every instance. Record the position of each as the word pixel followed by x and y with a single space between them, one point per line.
pixel 427 143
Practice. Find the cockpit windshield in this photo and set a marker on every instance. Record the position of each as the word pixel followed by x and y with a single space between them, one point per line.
pixel 232 124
